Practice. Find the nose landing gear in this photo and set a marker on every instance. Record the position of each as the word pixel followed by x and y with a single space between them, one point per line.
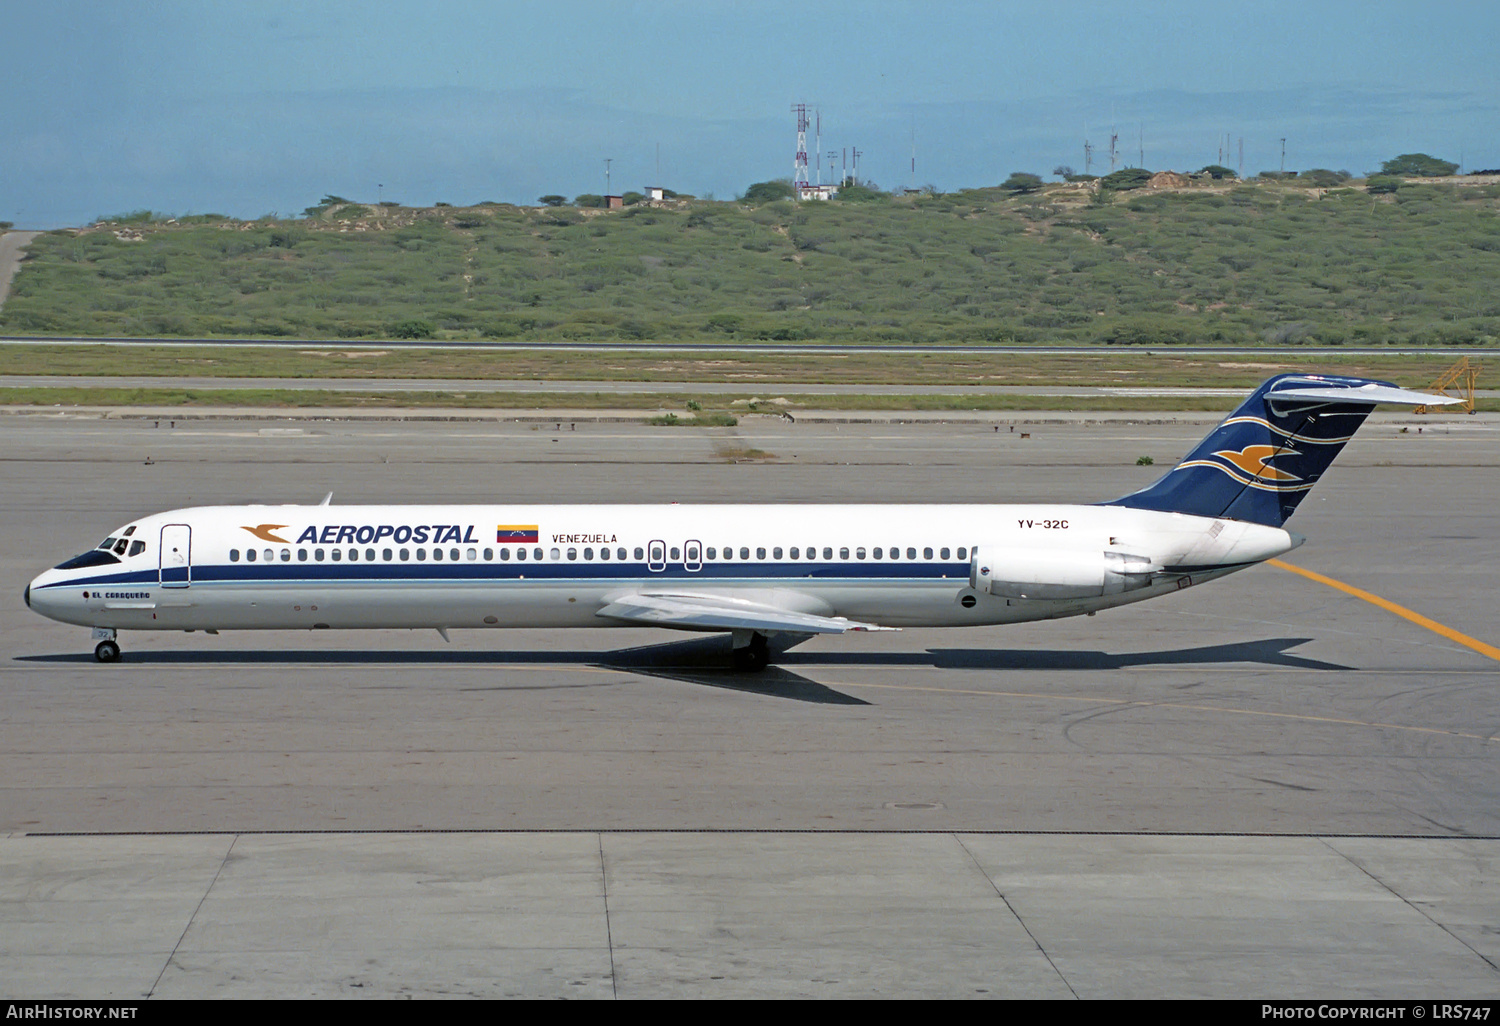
pixel 108 650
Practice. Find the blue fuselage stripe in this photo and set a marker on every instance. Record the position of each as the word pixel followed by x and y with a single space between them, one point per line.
pixel 506 573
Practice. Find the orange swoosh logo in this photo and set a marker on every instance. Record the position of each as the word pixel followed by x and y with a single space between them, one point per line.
pixel 264 532
pixel 1252 460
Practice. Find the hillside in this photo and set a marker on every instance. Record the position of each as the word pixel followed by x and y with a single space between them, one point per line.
pixel 1238 264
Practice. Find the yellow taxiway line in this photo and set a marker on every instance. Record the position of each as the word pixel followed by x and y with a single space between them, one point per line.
pixel 1391 607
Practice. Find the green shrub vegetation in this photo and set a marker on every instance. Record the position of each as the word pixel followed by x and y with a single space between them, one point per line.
pixel 1418 165
pixel 1219 262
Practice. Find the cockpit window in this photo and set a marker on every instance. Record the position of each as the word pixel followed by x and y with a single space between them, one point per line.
pixel 94 557
pixel 108 543
pixel 121 546
pixel 137 547
pixel 130 530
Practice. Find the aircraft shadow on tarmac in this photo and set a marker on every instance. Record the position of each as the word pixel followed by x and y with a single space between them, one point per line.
pixel 706 661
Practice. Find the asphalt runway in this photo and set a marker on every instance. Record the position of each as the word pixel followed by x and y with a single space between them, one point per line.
pixel 1263 787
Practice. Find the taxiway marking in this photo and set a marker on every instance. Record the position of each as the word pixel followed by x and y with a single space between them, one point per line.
pixel 1391 607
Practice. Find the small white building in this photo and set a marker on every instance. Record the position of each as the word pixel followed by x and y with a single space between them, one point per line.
pixel 817 192
pixel 655 192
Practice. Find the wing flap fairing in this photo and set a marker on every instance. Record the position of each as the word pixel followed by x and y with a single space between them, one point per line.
pixel 700 612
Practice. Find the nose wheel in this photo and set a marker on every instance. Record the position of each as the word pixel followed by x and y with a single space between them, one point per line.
pixel 107 652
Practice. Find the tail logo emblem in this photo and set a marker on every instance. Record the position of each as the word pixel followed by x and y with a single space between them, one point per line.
pixel 1252 460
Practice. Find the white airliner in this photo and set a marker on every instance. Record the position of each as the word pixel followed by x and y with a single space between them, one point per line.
pixel 771 576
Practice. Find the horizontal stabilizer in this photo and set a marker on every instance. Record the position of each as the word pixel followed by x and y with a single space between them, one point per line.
pixel 1371 393
pixel 699 612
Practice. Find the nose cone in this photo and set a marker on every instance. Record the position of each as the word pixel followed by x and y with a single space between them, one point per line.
pixel 39 597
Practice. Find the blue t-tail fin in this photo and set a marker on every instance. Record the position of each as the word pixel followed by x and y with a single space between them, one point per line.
pixel 1265 456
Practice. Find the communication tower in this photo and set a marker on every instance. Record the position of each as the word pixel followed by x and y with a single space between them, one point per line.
pixel 799 166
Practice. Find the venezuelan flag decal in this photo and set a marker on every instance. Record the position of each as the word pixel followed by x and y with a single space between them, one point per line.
pixel 516 534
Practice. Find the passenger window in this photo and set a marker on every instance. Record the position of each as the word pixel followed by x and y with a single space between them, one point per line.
pixel 234 555
pixel 437 553
pixel 711 552
pixel 370 555
pixel 776 552
pixel 795 552
pixel 843 553
pixel 405 555
pixel 620 552
pixel 318 555
pixel 269 555
pixel 604 552
pixel 453 555
pixel 859 553
pixel 572 554
pixel 555 554
pixel 876 553
pixel 354 555
pixel 926 553
pixel 827 552
pixel 505 555
pixel 520 553
pixel 250 555
pixel 911 553
pixel 536 553
pixel 385 554
pixel 963 553
pixel 286 555
pixel 588 554
pixel 744 552
pixel 489 554
pixel 302 555
pixel 760 553
pixel 640 553
pixel 336 554
pixel 421 555
pixel 676 555
pixel 944 553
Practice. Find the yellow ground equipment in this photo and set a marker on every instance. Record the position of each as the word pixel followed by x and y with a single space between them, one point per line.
pixel 1456 382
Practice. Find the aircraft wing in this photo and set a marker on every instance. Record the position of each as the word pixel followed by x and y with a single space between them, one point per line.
pixel 700 612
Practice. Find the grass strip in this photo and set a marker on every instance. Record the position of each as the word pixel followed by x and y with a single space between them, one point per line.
pixel 715 405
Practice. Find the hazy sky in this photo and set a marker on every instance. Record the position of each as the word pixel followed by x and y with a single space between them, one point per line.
pixel 248 108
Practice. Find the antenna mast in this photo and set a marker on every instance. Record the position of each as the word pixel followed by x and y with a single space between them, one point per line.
pixel 799 165
pixel 818 145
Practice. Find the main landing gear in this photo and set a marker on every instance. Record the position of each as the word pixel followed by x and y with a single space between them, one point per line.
pixel 754 654
pixel 108 650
